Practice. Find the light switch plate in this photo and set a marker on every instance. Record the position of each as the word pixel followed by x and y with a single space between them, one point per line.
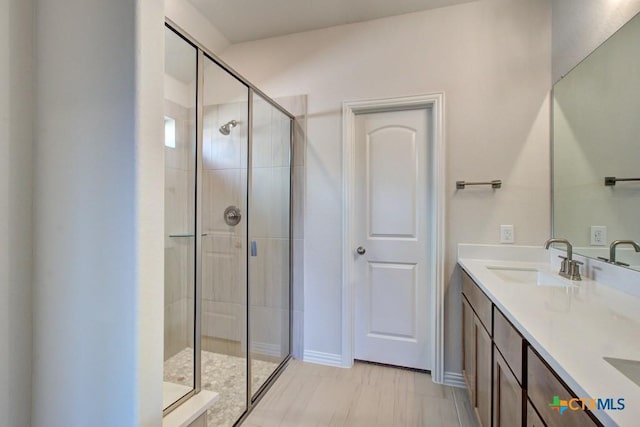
pixel 598 235
pixel 506 234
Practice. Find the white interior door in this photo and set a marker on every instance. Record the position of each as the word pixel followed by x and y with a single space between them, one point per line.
pixel 391 251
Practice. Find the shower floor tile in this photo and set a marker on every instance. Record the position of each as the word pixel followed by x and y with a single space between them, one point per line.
pixel 223 374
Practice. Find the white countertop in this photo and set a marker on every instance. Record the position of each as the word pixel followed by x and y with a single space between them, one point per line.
pixel 572 329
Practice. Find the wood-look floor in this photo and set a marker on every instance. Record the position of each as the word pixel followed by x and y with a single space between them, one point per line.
pixel 365 395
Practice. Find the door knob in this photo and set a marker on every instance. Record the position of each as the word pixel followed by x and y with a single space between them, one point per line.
pixel 361 250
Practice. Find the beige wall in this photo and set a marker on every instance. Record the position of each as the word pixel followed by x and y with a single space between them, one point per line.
pixel 98 229
pixel 16 143
pixel 579 26
pixel 491 58
pixel 191 20
pixel 595 135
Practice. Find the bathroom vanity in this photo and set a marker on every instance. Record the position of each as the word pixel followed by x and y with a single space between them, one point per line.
pixel 530 335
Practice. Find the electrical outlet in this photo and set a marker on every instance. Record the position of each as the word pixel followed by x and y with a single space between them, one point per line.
pixel 506 234
pixel 598 235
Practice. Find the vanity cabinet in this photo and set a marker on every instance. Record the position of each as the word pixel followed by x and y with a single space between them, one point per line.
pixel 477 348
pixel 507 395
pixel 509 384
pixel 507 373
pixel 533 419
pixel 469 349
pixel 542 385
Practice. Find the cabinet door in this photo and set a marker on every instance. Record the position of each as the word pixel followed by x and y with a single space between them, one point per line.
pixel 469 350
pixel 483 374
pixel 507 394
pixel 542 386
pixel 533 419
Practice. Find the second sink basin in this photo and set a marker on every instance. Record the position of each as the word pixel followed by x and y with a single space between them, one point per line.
pixel 528 276
pixel 628 368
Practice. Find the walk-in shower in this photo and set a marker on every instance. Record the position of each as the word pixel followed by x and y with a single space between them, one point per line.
pixel 227 233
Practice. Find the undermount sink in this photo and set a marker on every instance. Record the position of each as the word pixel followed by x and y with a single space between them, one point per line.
pixel 628 368
pixel 529 276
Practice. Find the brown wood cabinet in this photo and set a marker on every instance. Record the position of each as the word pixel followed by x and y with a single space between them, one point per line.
pixel 507 394
pixel 477 349
pixel 509 342
pixel 533 419
pixel 508 383
pixel 542 385
pixel 480 303
pixel 483 375
pixel 469 350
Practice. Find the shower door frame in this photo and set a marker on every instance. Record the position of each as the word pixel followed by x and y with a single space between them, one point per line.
pixel 202 53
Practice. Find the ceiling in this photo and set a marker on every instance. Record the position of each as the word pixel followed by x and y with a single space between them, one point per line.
pixel 245 20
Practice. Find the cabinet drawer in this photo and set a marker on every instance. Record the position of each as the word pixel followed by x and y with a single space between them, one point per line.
pixel 509 343
pixel 542 386
pixel 478 300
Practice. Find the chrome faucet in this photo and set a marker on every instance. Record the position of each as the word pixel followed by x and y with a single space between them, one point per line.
pixel 615 244
pixel 569 267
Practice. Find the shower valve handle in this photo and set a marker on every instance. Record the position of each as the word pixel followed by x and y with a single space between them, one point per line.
pixel 232 216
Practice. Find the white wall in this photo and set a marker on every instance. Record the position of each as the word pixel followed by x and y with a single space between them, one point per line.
pixel 579 26
pixel 492 60
pixel 98 229
pixel 16 141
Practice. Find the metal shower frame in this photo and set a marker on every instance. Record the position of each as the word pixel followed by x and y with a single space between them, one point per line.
pixel 203 52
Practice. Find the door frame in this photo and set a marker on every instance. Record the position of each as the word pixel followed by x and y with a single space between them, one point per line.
pixel 434 105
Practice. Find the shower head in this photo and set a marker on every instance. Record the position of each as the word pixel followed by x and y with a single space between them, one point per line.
pixel 225 129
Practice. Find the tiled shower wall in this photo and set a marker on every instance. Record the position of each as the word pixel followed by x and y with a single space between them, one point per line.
pixel 224 252
pixel 179 221
pixel 224 181
pixel 223 248
pixel 269 228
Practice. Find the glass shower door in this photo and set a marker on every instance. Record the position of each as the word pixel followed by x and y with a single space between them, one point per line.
pixel 180 217
pixel 227 234
pixel 224 243
pixel 269 231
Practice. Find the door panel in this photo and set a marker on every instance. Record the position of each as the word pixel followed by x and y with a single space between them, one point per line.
pixel 269 234
pixel 507 394
pixel 224 249
pixel 180 147
pixel 391 309
pixel 391 180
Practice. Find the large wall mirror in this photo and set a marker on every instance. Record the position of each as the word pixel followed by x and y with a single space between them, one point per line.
pixel 596 149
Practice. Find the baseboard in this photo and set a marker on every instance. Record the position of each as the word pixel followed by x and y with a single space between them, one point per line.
pixel 266 349
pixel 321 358
pixel 454 379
